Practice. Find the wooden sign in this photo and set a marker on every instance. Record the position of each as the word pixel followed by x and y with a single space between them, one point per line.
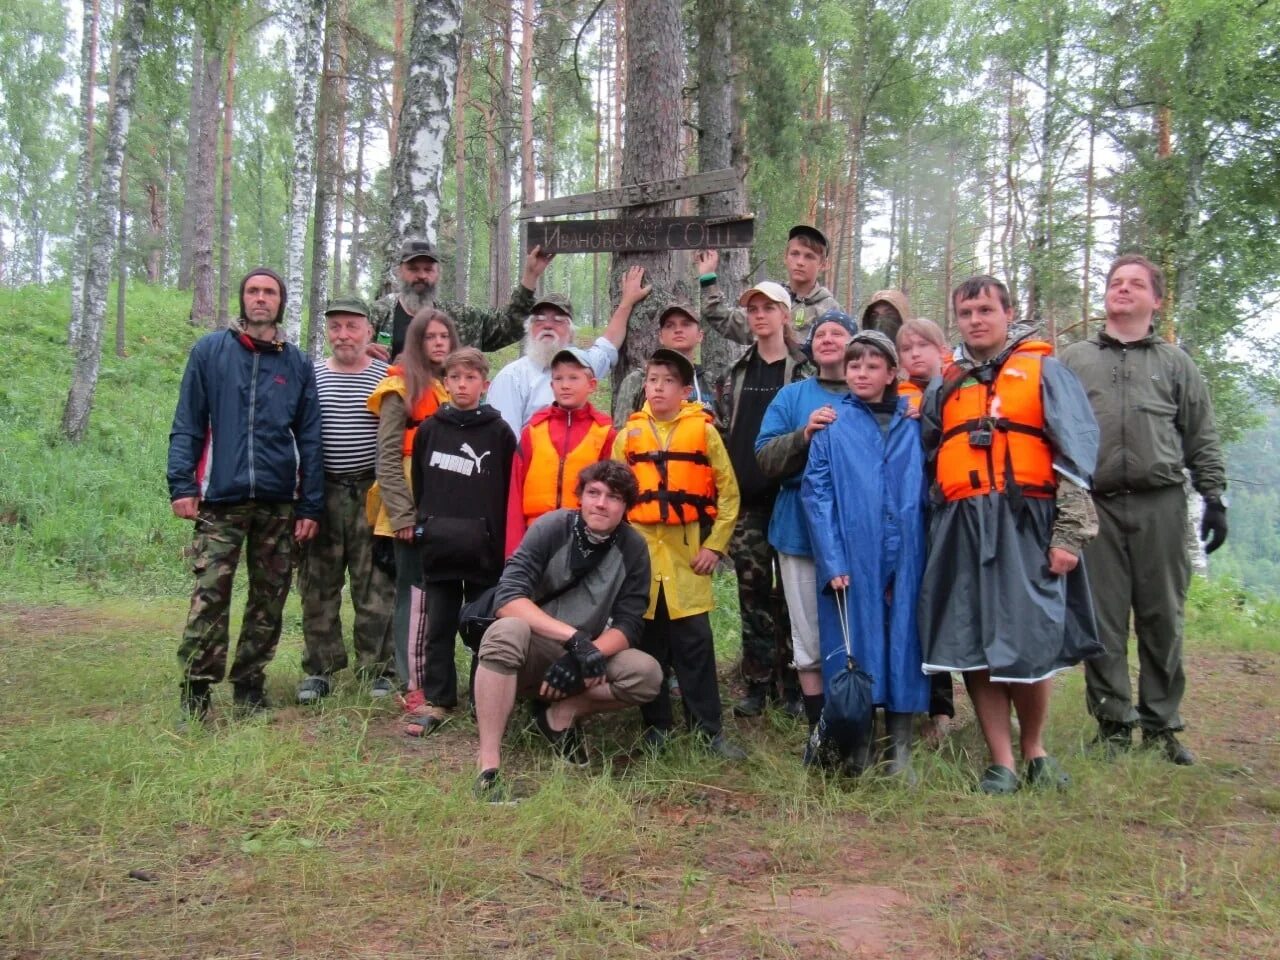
pixel 635 195
pixel 626 236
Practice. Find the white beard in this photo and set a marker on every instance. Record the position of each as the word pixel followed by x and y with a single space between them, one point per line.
pixel 541 352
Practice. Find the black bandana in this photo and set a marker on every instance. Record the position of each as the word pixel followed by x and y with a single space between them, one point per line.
pixel 588 549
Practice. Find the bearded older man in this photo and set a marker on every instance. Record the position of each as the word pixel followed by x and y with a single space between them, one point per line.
pixel 523 386
pixel 419 275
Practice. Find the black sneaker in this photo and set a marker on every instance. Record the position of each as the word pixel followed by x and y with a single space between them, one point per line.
pixel 753 702
pixel 197 697
pixel 249 698
pixel 313 689
pixel 654 740
pixel 792 704
pixel 491 788
pixel 1113 737
pixel 1166 741
pixel 568 744
pixel 722 747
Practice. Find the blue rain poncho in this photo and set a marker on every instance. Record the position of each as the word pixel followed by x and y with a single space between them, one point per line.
pixel 864 498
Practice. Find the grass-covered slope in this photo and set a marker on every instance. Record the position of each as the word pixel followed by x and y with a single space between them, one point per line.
pixel 96 514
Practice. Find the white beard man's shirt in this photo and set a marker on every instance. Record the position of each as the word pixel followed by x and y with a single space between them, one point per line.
pixel 520 389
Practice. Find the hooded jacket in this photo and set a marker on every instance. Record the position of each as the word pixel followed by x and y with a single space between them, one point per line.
pixel 460 473
pixel 247 424
pixel 894 298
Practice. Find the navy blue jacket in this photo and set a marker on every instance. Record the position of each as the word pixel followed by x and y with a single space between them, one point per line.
pixel 247 426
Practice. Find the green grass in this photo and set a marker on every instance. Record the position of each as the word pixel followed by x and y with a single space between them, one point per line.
pixel 325 833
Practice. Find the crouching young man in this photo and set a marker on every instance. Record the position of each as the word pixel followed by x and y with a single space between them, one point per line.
pixel 570 608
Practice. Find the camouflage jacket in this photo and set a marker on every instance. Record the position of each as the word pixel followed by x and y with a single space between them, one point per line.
pixel 730 321
pixel 477 327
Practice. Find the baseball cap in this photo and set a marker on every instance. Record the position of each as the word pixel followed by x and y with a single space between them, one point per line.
pixel 677 360
pixel 809 233
pixel 774 291
pixel 347 304
pixel 574 355
pixel 678 306
pixel 878 340
pixel 557 300
pixel 415 247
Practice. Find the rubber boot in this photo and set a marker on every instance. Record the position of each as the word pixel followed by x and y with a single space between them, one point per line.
pixel 900 728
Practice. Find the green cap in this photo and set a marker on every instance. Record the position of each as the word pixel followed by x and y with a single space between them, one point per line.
pixel 347 304
pixel 557 300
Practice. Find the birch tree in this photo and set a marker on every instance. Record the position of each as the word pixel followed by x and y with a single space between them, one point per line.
pixel 84 165
pixel 306 71
pixel 84 380
pixel 434 43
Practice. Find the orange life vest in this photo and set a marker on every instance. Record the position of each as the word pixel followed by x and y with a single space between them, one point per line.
pixel 427 404
pixel 993 434
pixel 677 484
pixel 912 392
pixel 545 487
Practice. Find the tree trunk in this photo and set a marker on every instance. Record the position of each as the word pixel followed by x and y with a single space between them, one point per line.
pixel 228 139
pixel 357 196
pixel 621 73
pixel 501 238
pixel 155 232
pixel 84 167
pixel 424 122
pixel 653 110
pixel 462 250
pixel 1087 269
pixel 310 14
pixel 1039 296
pixel 718 148
pixel 122 267
pixel 528 173
pixel 397 77
pixel 201 193
pixel 341 90
pixel 326 153
pixel 84 380
pixel 186 249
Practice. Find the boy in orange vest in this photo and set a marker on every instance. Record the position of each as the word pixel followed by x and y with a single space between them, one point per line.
pixel 1012 444
pixel 556 444
pixel 685 480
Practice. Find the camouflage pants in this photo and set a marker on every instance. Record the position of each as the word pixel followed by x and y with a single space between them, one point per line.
pixel 220 535
pixel 766 630
pixel 344 545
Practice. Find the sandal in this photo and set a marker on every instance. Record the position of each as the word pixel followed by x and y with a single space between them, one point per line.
pixel 998 781
pixel 422 717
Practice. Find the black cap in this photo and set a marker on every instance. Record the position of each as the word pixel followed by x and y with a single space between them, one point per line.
pixel 677 360
pixel 415 247
pixel 809 233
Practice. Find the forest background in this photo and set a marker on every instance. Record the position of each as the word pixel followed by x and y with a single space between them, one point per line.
pixel 929 139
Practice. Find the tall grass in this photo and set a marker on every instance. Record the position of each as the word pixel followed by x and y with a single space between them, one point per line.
pixel 91 516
